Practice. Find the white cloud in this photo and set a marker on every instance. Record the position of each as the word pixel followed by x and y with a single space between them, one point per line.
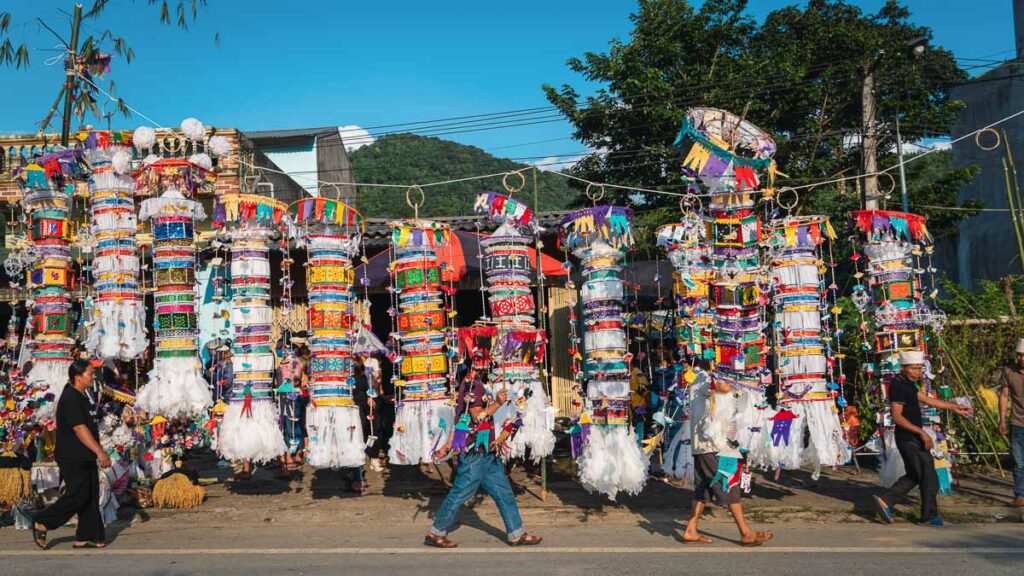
pixel 355 137
pixel 557 163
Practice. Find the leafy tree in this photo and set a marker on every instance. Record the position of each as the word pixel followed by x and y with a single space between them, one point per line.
pixel 90 47
pixel 797 75
pixel 413 159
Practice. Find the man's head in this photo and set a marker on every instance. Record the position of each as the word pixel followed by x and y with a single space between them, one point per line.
pixel 1020 352
pixel 912 364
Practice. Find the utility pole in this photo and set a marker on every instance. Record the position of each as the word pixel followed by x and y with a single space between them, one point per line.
pixel 869 140
pixel 70 76
pixel 903 173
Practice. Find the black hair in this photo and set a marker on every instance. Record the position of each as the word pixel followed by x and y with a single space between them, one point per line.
pixel 77 368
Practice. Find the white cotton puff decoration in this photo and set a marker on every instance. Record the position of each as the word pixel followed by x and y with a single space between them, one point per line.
pixel 218 146
pixel 193 129
pixel 122 161
pixel 202 160
pixel 144 137
pixel 151 159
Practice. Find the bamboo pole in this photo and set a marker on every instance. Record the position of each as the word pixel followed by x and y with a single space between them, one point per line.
pixel 958 372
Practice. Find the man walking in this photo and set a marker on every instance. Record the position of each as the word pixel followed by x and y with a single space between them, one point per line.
pixel 77 452
pixel 912 441
pixel 715 459
pixel 1011 399
pixel 479 466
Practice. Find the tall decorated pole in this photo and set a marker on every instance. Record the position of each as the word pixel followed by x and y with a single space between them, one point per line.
pixel 610 460
pixel 176 386
pixel 893 245
pixel 47 184
pixel 725 152
pixel 423 410
pixel 518 344
pixel 688 249
pixel 250 428
pixel 808 359
pixel 331 232
pixel 118 315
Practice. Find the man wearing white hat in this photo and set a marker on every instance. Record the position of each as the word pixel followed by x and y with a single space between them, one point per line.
pixel 912 441
pixel 1011 399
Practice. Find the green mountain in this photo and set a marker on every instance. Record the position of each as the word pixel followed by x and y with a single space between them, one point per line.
pixel 409 158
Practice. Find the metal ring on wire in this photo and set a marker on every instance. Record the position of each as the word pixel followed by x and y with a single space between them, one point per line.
pixel 977 139
pixel 688 202
pixel 513 189
pixel 592 196
pixel 788 207
pixel 408 197
pixel 337 190
pixel 892 185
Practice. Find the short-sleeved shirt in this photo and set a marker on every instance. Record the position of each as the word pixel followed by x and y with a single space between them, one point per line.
pixel 73 409
pixel 903 391
pixel 1013 379
pixel 474 395
pixel 710 412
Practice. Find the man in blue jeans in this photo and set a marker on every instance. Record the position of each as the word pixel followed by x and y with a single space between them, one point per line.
pixel 1011 399
pixel 479 467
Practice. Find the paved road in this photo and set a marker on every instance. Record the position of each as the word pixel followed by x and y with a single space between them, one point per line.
pixel 161 548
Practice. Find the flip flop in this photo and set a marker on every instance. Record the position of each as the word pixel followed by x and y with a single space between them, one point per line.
pixel 759 538
pixel 700 539
pixel 526 540
pixel 883 510
pixel 439 541
pixel 39 536
pixel 89 544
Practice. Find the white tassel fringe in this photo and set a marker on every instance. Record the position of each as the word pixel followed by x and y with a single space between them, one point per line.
pixel 612 462
pixel 118 330
pixel 175 389
pixel 335 437
pixel 257 438
pixel 418 431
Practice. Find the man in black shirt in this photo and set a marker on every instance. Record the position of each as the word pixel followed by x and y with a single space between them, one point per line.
pixel 913 443
pixel 77 452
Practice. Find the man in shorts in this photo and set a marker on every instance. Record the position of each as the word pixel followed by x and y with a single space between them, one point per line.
pixel 712 410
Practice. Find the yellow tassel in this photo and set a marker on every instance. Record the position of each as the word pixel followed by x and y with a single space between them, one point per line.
pixel 14 485
pixel 696 158
pixel 177 491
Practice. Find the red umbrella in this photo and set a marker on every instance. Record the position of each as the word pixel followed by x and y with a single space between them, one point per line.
pixel 457 260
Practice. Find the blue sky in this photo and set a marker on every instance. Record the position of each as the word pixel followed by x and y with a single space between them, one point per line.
pixel 321 63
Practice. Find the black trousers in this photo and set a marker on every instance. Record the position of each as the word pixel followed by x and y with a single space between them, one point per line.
pixel 81 496
pixel 920 466
pixel 384 419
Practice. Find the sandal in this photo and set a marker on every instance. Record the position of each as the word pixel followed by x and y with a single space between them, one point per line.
pixel 700 539
pixel 759 538
pixel 88 544
pixel 526 540
pixel 39 536
pixel 439 541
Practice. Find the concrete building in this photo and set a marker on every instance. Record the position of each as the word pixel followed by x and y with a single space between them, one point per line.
pixel 987 247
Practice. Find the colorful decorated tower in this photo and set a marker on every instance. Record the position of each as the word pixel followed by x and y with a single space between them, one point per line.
pixel 611 460
pixel 893 245
pixel 118 312
pixel 48 184
pixel 725 152
pixel 807 355
pixel 176 386
pixel 332 233
pixel 422 339
pixel 518 345
pixel 250 429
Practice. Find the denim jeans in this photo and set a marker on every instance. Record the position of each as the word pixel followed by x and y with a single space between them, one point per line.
pixel 477 471
pixel 1017 448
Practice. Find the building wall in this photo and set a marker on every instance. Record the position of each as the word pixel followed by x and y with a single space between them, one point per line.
pixel 986 247
pixel 18 148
